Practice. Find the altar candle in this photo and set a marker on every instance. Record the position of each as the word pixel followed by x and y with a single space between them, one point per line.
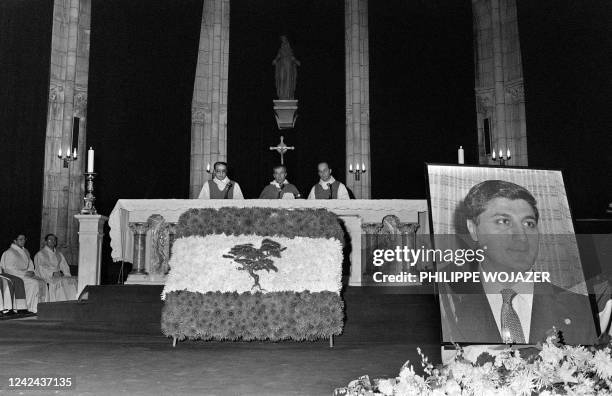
pixel 350 167
pixel 357 167
pixel 460 155
pixel 74 153
pixel 59 153
pixel 508 154
pixel 501 153
pixel 208 167
pixel 90 160
pixel 493 155
pixel 363 166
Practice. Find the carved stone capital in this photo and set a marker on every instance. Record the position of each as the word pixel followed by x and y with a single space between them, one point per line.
pixel 484 103
pixel 80 104
pixel 139 228
pixel 516 92
pixel 56 93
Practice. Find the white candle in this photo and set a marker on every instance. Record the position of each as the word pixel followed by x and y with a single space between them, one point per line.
pixel 363 166
pixel 59 153
pixel 90 160
pixel 493 155
pixel 350 167
pixel 208 167
pixel 508 154
pixel 357 167
pixel 460 155
pixel 501 153
pixel 74 153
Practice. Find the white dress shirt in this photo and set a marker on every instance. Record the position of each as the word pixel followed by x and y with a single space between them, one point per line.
pixel 522 302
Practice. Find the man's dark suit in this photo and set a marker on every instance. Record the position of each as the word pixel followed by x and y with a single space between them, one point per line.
pixel 467 316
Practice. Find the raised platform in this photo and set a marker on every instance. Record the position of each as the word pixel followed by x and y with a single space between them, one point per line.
pixel 372 313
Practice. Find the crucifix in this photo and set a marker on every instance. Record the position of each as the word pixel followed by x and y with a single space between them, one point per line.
pixel 282 149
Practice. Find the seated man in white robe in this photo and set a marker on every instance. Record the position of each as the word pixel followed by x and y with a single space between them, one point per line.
pixel 16 262
pixel 51 265
pixel 220 187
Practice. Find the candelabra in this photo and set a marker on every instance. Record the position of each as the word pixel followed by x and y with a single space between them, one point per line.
pixel 501 158
pixel 68 157
pixel 357 171
pixel 88 207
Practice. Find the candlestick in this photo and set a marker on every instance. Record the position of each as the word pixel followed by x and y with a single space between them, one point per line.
pixel 90 160
pixel 356 171
pixel 88 207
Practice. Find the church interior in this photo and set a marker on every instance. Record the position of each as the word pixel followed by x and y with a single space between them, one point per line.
pixel 162 91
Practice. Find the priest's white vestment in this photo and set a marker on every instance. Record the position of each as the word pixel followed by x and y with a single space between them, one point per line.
pixel 47 262
pixel 16 261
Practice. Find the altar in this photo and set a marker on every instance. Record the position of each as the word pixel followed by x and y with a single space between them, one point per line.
pixel 132 240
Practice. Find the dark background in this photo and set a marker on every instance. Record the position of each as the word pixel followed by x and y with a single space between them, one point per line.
pixel 25 52
pixel 567 63
pixel 142 66
pixel 315 29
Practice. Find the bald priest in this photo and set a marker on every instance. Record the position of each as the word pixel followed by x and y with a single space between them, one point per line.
pixel 280 188
pixel 328 187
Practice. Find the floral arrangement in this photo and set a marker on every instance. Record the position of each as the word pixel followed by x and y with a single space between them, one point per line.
pixel 311 223
pixel 548 369
pixel 198 265
pixel 255 274
pixel 276 316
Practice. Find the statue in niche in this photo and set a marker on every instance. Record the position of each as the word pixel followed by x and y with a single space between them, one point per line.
pixel 285 71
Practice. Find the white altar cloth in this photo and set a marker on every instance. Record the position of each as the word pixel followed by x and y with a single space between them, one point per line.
pixel 352 212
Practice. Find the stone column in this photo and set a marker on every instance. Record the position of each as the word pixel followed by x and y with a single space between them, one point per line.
pixel 140 248
pixel 357 66
pixel 91 231
pixel 499 79
pixel 209 103
pixel 69 68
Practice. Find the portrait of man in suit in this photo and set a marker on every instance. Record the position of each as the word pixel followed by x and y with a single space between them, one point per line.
pixel 502 219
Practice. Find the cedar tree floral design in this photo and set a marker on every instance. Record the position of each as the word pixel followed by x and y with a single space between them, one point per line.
pixel 253 259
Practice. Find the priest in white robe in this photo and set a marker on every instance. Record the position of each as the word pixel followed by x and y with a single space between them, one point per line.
pixel 16 261
pixel 328 187
pixel 7 297
pixel 51 265
pixel 220 187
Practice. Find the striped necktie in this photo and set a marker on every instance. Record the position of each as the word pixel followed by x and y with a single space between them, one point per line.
pixel 512 331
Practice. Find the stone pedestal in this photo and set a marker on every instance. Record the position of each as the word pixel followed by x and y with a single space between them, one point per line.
pixel 285 112
pixel 91 231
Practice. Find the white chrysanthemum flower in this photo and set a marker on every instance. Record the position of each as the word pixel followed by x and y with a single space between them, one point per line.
pixel 578 356
pixel 523 383
pixel 602 364
pixel 566 372
pixel 386 386
pixel 551 354
pixel 452 388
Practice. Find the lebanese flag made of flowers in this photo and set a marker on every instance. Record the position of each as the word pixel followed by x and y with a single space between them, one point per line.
pixel 255 274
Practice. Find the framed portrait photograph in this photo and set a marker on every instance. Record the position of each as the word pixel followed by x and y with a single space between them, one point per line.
pixel 508 266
